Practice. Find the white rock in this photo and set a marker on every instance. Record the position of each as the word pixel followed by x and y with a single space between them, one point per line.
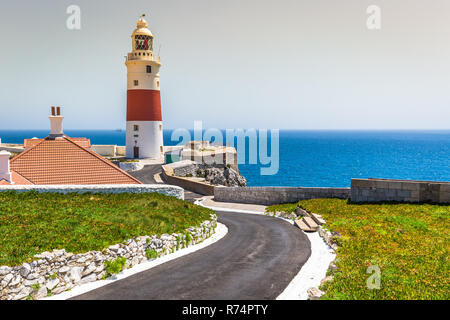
pixel 75 274
pixel 82 260
pixel 25 292
pixel 42 292
pixel 29 283
pixel 89 278
pixel 4 270
pixel 25 270
pixel 314 293
pixel 17 279
pixel 32 276
pixel 52 283
pixel 7 279
pixel 59 290
pixel 89 269
pixel 100 268
pixel 64 269
pixel 114 247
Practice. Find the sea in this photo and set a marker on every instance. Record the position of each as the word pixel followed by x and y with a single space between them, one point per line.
pixel 320 158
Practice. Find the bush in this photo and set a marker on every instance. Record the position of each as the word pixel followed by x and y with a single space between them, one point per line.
pixel 114 266
pixel 151 254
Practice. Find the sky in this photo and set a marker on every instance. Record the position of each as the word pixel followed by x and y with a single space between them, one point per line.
pixel 285 64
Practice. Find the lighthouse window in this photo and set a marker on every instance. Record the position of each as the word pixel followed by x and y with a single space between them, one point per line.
pixel 136 127
pixel 149 69
pixel 136 83
pixel 143 42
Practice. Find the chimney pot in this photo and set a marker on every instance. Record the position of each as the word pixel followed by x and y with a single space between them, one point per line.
pixel 56 126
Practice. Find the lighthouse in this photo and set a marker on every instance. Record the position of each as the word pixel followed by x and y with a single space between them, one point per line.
pixel 144 137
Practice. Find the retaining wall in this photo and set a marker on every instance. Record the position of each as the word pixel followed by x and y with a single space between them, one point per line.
pixel 188 184
pixel 168 190
pixel 54 272
pixel 276 195
pixel 378 190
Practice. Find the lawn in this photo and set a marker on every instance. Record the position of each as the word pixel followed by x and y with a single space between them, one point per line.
pixel 31 222
pixel 408 242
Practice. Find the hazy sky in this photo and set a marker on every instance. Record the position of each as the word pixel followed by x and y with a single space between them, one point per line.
pixel 238 63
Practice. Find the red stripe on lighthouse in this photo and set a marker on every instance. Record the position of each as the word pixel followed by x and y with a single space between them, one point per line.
pixel 144 105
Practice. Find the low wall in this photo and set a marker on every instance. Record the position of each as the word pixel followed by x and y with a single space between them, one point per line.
pixel 11 149
pixel 276 195
pixel 377 190
pixel 168 190
pixel 54 272
pixel 131 166
pixel 121 151
pixel 186 183
pixel 104 150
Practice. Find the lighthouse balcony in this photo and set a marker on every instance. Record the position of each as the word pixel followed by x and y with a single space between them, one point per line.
pixel 146 56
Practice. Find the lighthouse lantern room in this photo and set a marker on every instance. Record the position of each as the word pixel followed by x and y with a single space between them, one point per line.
pixel 144 122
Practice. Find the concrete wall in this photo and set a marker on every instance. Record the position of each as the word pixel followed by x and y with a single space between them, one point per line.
pixel 120 151
pixel 377 190
pixel 187 183
pixel 276 195
pixel 104 150
pixel 11 149
pixel 168 190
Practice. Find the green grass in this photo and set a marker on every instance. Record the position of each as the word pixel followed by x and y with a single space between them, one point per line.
pixel 31 223
pixel 409 243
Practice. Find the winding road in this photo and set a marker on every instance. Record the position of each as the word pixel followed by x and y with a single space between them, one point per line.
pixel 256 260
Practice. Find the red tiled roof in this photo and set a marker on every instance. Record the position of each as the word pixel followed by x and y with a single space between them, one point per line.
pixel 84 142
pixel 17 180
pixel 63 161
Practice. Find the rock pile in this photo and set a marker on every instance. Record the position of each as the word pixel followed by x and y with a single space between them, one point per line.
pixel 58 271
pixel 217 175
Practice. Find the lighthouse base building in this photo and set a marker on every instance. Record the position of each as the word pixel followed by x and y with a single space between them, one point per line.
pixel 144 137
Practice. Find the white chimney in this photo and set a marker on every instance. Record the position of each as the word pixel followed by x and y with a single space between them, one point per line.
pixel 5 172
pixel 56 127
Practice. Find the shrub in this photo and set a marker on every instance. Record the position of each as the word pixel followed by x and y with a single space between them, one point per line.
pixel 151 254
pixel 114 266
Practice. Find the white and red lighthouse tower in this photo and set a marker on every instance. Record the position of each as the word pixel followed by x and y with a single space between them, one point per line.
pixel 144 121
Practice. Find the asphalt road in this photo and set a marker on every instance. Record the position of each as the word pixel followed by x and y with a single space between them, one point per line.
pixel 145 175
pixel 256 260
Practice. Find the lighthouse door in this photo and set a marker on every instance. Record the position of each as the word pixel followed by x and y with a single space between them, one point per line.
pixel 136 152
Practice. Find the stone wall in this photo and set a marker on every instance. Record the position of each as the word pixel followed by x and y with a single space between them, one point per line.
pixel 189 184
pixel 377 190
pixel 168 190
pixel 57 271
pixel 276 195
pixel 131 166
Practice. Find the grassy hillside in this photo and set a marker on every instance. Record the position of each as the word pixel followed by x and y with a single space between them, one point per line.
pixel 31 223
pixel 408 242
